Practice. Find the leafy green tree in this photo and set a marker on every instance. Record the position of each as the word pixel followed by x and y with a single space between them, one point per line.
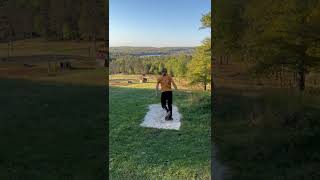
pixel 286 38
pixel 282 36
pixel 206 20
pixel 200 65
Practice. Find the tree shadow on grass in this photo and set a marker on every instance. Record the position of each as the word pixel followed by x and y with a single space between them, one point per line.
pixel 268 134
pixel 52 130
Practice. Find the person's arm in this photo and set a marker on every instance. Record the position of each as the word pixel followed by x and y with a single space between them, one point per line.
pixel 157 87
pixel 174 84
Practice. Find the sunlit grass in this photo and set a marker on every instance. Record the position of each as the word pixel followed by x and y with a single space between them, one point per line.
pixel 146 153
pixel 122 80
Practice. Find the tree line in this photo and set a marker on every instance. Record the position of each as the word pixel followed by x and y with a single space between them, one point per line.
pixel 271 35
pixel 196 67
pixel 176 65
pixel 64 19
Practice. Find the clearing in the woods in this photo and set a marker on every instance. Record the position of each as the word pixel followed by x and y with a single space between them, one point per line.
pixel 137 152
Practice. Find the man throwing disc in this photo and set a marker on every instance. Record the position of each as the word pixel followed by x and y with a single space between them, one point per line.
pixel 166 92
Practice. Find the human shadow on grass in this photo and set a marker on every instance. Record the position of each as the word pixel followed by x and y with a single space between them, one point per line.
pixel 52 130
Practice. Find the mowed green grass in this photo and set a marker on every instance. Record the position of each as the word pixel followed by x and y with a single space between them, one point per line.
pixel 54 127
pixel 146 153
pixel 267 134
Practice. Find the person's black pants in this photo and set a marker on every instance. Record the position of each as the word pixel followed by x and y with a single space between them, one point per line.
pixel 167 97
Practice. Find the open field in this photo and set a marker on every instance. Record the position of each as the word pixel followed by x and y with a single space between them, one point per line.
pixel 146 153
pixel 237 74
pixel 31 58
pixel 53 125
pixel 122 81
pixel 53 129
pixel 81 74
pixel 32 47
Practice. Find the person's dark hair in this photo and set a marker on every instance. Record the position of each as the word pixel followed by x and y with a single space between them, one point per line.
pixel 164 71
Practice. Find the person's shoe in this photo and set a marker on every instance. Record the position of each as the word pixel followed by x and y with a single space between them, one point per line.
pixel 167 116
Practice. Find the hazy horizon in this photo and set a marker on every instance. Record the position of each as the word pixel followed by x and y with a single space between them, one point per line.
pixel 157 24
pixel 154 46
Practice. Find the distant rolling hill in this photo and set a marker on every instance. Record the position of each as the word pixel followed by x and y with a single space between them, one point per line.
pixel 139 51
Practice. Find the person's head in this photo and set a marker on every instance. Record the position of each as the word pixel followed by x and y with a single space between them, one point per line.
pixel 164 72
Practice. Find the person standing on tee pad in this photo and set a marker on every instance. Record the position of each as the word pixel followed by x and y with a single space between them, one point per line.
pixel 165 81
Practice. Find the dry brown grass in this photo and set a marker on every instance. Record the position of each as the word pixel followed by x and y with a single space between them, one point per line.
pixel 122 80
pixel 42 47
pixel 30 60
pixel 236 75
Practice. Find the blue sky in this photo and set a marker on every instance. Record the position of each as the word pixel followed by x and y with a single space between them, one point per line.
pixel 157 23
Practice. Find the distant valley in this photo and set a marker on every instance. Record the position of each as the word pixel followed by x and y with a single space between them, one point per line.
pixel 150 51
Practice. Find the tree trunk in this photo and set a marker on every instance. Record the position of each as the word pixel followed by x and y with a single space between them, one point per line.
pixel 94 45
pixel 282 76
pixel 11 46
pixel 302 79
pixel 205 87
pixel 302 75
pixel 228 59
pixel 294 79
pixel 8 52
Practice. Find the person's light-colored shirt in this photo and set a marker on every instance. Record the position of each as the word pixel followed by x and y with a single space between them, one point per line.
pixel 165 82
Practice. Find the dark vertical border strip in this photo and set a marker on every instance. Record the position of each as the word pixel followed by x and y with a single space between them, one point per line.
pixel 107 81
pixel 212 90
